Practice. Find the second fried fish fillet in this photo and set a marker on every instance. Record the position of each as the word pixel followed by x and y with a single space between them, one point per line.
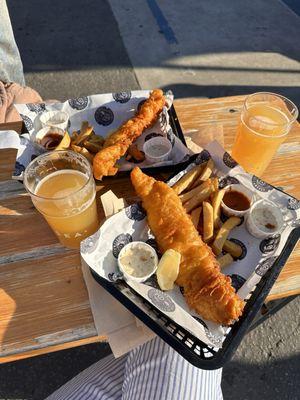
pixel 116 145
pixel 206 289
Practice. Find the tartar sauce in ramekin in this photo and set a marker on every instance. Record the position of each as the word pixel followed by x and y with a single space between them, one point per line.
pixel 265 219
pixel 138 261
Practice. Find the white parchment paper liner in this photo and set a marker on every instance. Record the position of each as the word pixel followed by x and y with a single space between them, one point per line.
pixel 100 250
pixel 105 112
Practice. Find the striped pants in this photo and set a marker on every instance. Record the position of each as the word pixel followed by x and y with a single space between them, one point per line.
pixel 153 371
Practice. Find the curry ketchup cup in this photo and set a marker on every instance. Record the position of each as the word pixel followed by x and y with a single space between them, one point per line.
pixel 237 200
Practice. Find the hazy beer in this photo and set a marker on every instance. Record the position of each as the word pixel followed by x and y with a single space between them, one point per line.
pixel 265 122
pixel 62 188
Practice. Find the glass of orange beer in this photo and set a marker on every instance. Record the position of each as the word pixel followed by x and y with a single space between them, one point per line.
pixel 266 119
pixel 62 188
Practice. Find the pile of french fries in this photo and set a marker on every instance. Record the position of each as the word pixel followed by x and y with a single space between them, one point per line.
pixel 201 197
pixel 85 141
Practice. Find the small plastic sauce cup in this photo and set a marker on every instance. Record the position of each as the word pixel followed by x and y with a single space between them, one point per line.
pixel 55 119
pixel 138 247
pixel 245 193
pixel 265 219
pixel 157 149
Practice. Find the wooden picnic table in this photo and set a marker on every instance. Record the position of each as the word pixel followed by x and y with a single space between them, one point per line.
pixel 44 304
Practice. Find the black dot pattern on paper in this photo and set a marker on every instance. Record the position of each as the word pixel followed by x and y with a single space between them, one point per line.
pixel 229 161
pixel 27 121
pixel 89 245
pixel 293 204
pixel 122 97
pixel 202 157
pixel 269 245
pixel 161 300
pixel 104 116
pixel 79 103
pixel 152 135
pixel 19 168
pixel 36 107
pixel 260 185
pixel 114 277
pixel 237 281
pixel 263 267
pixel 244 248
pixel 228 180
pixel 119 242
pixel 135 212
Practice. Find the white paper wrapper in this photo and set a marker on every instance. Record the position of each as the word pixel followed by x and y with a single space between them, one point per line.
pixel 100 251
pixel 105 112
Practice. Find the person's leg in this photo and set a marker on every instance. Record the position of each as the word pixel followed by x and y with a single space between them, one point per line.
pixel 155 371
pixel 101 381
pixel 11 68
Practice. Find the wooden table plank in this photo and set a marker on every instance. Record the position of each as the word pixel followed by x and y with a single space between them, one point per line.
pixel 44 302
pixel 284 171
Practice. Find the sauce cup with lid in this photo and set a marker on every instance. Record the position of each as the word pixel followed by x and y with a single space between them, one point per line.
pixel 265 219
pixel 137 261
pixel 54 119
pixel 157 149
pixel 236 200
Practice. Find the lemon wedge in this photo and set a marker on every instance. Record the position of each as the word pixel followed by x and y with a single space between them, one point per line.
pixel 168 269
pixel 64 143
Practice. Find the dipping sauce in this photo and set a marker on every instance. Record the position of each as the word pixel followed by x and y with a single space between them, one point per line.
pixel 236 200
pixel 264 219
pixel 51 140
pixel 138 260
pixel 157 150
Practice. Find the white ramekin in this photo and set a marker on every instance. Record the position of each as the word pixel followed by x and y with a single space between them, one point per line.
pixel 132 245
pixel 55 119
pixel 238 188
pixel 257 232
pixel 156 141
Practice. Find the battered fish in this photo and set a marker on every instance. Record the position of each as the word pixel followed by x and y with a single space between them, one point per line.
pixel 116 145
pixel 206 289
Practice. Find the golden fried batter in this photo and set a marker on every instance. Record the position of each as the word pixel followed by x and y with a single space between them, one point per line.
pixel 206 289
pixel 117 143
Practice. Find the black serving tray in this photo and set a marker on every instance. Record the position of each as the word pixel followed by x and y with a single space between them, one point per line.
pixel 188 346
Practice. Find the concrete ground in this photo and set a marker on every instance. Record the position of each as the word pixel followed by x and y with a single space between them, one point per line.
pixel 218 48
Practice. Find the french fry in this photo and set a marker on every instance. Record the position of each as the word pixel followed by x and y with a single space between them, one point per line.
pixel 74 135
pixel 203 193
pixel 206 173
pixel 225 260
pixel 187 179
pixel 234 249
pixel 195 215
pixel 223 234
pixel 192 193
pixel 87 154
pixel 216 201
pixel 96 139
pixel 85 132
pixel 92 147
pixel 208 221
pixel 83 151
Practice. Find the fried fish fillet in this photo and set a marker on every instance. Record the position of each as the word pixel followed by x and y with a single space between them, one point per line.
pixel 116 145
pixel 206 289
